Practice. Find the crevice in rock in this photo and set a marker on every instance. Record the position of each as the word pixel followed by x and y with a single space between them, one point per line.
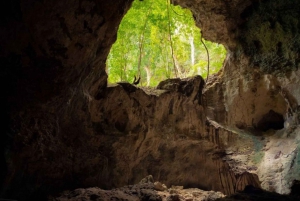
pixel 271 120
pixel 295 189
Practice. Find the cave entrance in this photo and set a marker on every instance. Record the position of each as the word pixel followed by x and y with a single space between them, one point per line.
pixel 156 41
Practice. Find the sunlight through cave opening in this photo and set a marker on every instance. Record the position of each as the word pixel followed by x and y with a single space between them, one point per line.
pixel 156 41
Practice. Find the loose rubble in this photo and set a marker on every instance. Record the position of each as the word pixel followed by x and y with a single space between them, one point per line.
pixel 146 190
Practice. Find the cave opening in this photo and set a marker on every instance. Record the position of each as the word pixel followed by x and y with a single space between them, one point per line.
pixel 271 120
pixel 65 129
pixel 156 41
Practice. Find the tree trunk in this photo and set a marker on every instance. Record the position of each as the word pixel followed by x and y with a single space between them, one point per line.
pixel 181 73
pixel 148 71
pixel 191 39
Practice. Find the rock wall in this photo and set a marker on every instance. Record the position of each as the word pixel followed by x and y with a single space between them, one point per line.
pixel 256 95
pixel 52 59
pixel 164 133
pixel 65 128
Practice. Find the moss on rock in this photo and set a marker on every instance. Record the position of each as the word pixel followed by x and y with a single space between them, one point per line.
pixel 270 35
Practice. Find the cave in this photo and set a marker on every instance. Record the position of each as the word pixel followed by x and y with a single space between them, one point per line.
pixel 64 128
pixel 162 42
pixel 295 188
pixel 271 120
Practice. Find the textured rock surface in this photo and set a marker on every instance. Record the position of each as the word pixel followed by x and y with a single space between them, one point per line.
pixel 130 193
pixel 65 128
pixel 163 135
pixel 251 193
pixel 259 78
pixel 219 20
pixel 52 59
pixel 139 192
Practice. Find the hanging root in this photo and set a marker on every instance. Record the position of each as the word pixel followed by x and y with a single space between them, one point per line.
pixel 201 39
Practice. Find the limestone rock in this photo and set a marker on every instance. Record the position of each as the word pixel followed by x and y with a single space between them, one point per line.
pixel 159 186
pixel 173 197
pixel 184 86
pixel 64 128
pixel 177 187
pixel 147 179
pixel 138 192
pixel 252 193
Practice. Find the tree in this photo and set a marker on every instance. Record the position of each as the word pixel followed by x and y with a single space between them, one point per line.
pixel 170 39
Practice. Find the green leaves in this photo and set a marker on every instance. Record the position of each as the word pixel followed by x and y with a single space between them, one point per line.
pixel 156 58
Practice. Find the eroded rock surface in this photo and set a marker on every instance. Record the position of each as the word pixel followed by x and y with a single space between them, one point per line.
pixel 65 128
pixel 164 135
pixel 139 192
pixel 257 94
pixel 251 193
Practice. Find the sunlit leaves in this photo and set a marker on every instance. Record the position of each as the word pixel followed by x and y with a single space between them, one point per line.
pixel 156 58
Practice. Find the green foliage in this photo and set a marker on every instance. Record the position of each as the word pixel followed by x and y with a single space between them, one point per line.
pixel 156 58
